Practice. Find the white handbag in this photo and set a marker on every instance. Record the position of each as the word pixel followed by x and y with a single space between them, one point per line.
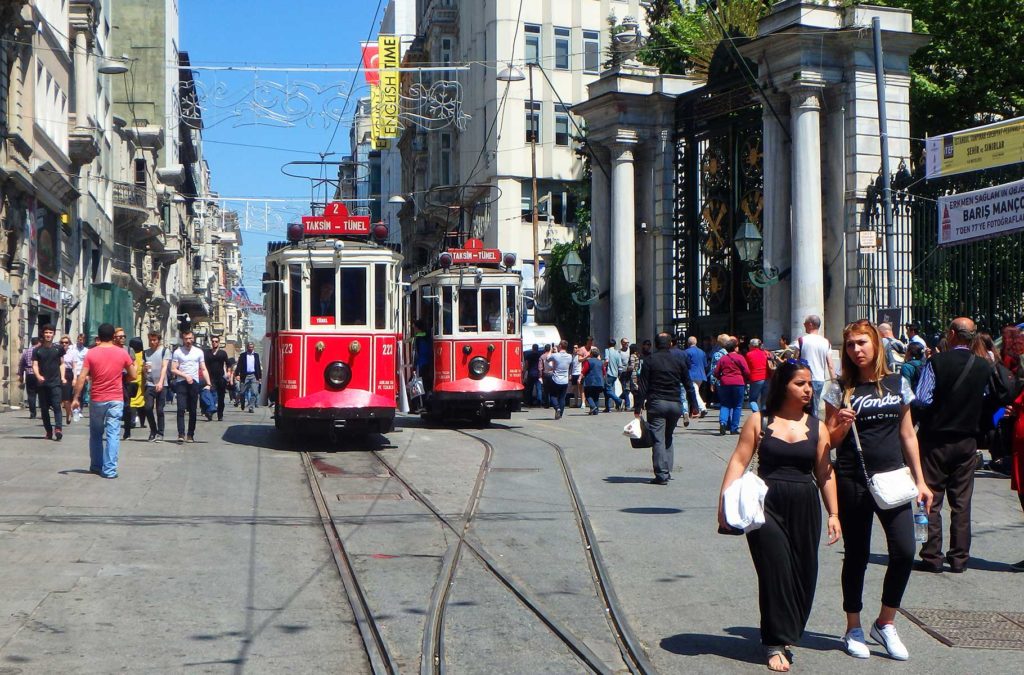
pixel 889 488
pixel 743 500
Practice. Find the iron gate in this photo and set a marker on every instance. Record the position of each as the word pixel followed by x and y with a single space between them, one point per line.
pixel 719 187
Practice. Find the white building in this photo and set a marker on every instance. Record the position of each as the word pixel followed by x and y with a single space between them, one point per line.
pixel 477 181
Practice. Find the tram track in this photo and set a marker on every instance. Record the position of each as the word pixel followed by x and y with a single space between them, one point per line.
pixel 629 646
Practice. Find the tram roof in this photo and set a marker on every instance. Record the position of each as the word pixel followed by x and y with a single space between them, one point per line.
pixel 320 246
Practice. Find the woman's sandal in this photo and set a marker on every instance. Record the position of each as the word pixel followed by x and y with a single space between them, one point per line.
pixel 783 664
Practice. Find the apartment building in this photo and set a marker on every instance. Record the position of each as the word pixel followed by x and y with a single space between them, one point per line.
pixel 478 181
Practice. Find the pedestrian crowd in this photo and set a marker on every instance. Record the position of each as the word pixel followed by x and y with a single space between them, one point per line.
pixel 124 386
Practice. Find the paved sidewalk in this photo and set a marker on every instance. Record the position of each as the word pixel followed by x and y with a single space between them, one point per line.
pixel 692 594
pixel 207 557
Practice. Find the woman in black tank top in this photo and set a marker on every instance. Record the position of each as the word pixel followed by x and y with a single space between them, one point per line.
pixel 793 457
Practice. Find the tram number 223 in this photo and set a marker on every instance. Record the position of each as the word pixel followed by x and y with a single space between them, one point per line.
pixel 287 348
pixel 387 349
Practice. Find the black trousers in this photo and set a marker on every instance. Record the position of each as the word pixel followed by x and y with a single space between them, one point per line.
pixel 221 386
pixel 662 418
pixel 949 472
pixel 49 399
pixel 31 393
pixel 857 511
pixel 154 408
pixel 187 396
pixel 785 554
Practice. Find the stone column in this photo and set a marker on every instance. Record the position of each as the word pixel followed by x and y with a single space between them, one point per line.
pixel 82 78
pixel 623 241
pixel 808 288
pixel 835 211
pixel 600 240
pixel 777 231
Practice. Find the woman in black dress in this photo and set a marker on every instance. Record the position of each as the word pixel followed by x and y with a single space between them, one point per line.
pixel 793 459
pixel 879 403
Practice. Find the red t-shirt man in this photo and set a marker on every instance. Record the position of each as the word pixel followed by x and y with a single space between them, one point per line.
pixel 757 360
pixel 106 364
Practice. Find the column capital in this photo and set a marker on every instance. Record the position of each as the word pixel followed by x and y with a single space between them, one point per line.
pixel 806 96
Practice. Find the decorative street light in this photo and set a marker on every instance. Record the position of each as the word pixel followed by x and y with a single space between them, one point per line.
pixel 748 242
pixel 572 267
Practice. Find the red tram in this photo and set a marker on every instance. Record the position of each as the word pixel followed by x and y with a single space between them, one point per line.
pixel 333 304
pixel 468 312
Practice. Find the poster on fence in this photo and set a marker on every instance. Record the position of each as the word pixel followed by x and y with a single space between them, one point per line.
pixel 981 214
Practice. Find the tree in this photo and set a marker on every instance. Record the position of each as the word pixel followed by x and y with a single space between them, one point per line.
pixel 681 41
pixel 972 71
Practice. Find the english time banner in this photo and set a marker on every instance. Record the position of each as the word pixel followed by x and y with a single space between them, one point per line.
pixel 981 214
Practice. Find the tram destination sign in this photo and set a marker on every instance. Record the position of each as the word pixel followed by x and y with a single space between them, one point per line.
pixel 335 221
pixel 981 214
pixel 474 252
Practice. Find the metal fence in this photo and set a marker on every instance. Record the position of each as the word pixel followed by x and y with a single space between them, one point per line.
pixel 983 280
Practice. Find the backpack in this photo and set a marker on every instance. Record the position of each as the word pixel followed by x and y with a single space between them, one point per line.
pixel 1003 388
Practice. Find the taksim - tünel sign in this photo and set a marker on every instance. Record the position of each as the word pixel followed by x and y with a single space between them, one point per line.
pixel 981 214
pixel 335 221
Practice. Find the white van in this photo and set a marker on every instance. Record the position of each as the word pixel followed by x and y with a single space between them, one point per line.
pixel 537 334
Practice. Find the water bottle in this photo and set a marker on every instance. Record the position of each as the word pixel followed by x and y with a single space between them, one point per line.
pixel 920 524
pixel 76 414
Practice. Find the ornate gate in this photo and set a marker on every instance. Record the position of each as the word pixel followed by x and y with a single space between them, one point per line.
pixel 719 188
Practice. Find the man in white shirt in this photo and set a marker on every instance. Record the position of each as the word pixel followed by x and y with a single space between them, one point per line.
pixel 815 350
pixel 188 364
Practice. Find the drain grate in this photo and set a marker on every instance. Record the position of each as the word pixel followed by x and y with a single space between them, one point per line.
pixel 975 630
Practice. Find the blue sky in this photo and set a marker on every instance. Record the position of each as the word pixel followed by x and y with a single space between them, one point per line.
pixel 315 33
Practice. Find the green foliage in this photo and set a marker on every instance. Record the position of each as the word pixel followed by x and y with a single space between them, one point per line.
pixel 682 41
pixel 572 320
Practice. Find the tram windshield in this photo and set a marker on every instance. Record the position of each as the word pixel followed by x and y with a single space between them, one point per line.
pixel 479 310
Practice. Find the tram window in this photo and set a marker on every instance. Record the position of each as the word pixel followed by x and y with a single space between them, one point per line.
pixel 380 296
pixel 322 295
pixel 446 311
pixel 353 296
pixel 468 311
pixel 295 295
pixel 511 313
pixel 490 304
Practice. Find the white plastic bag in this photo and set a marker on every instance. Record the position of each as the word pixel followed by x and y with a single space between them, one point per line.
pixel 743 502
pixel 617 387
pixel 416 386
pixel 634 429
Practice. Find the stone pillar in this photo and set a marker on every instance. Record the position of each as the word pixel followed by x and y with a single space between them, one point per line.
pixel 623 243
pixel 808 288
pixel 835 209
pixel 777 226
pixel 600 247
pixel 82 78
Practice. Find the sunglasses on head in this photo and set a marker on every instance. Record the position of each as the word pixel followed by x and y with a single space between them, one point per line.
pixel 798 362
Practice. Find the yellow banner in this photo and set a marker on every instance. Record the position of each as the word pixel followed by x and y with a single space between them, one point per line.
pixel 975 149
pixel 375 115
pixel 389 59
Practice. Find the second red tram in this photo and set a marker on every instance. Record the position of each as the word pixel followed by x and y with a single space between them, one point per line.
pixel 468 312
pixel 334 321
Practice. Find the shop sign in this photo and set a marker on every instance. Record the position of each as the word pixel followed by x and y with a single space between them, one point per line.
pixel 975 149
pixel 389 59
pixel 49 292
pixel 981 214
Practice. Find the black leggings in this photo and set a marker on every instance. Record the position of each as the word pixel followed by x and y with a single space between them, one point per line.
pixel 857 510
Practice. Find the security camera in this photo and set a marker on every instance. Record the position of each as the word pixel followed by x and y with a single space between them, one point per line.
pixel 339 245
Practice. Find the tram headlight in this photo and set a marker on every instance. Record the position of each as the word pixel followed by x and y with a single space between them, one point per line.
pixel 337 375
pixel 478 367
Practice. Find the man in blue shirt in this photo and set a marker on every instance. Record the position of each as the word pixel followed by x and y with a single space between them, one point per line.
pixel 698 370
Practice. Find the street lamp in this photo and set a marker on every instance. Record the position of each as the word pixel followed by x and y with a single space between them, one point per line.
pixel 747 242
pixel 513 74
pixel 572 267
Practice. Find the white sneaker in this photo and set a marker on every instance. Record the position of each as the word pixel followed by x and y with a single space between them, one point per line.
pixel 887 637
pixel 856 646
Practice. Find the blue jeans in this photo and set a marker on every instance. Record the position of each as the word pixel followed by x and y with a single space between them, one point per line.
pixel 816 386
pixel 105 422
pixel 609 392
pixel 558 392
pixel 756 389
pixel 730 397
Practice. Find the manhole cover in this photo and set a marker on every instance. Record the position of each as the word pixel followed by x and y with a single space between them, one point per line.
pixel 977 630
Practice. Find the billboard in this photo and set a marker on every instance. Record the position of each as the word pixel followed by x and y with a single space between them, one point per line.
pixel 389 59
pixel 975 149
pixel 981 214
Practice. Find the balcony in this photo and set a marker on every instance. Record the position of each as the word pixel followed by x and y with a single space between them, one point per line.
pixel 171 250
pixel 83 145
pixel 130 205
